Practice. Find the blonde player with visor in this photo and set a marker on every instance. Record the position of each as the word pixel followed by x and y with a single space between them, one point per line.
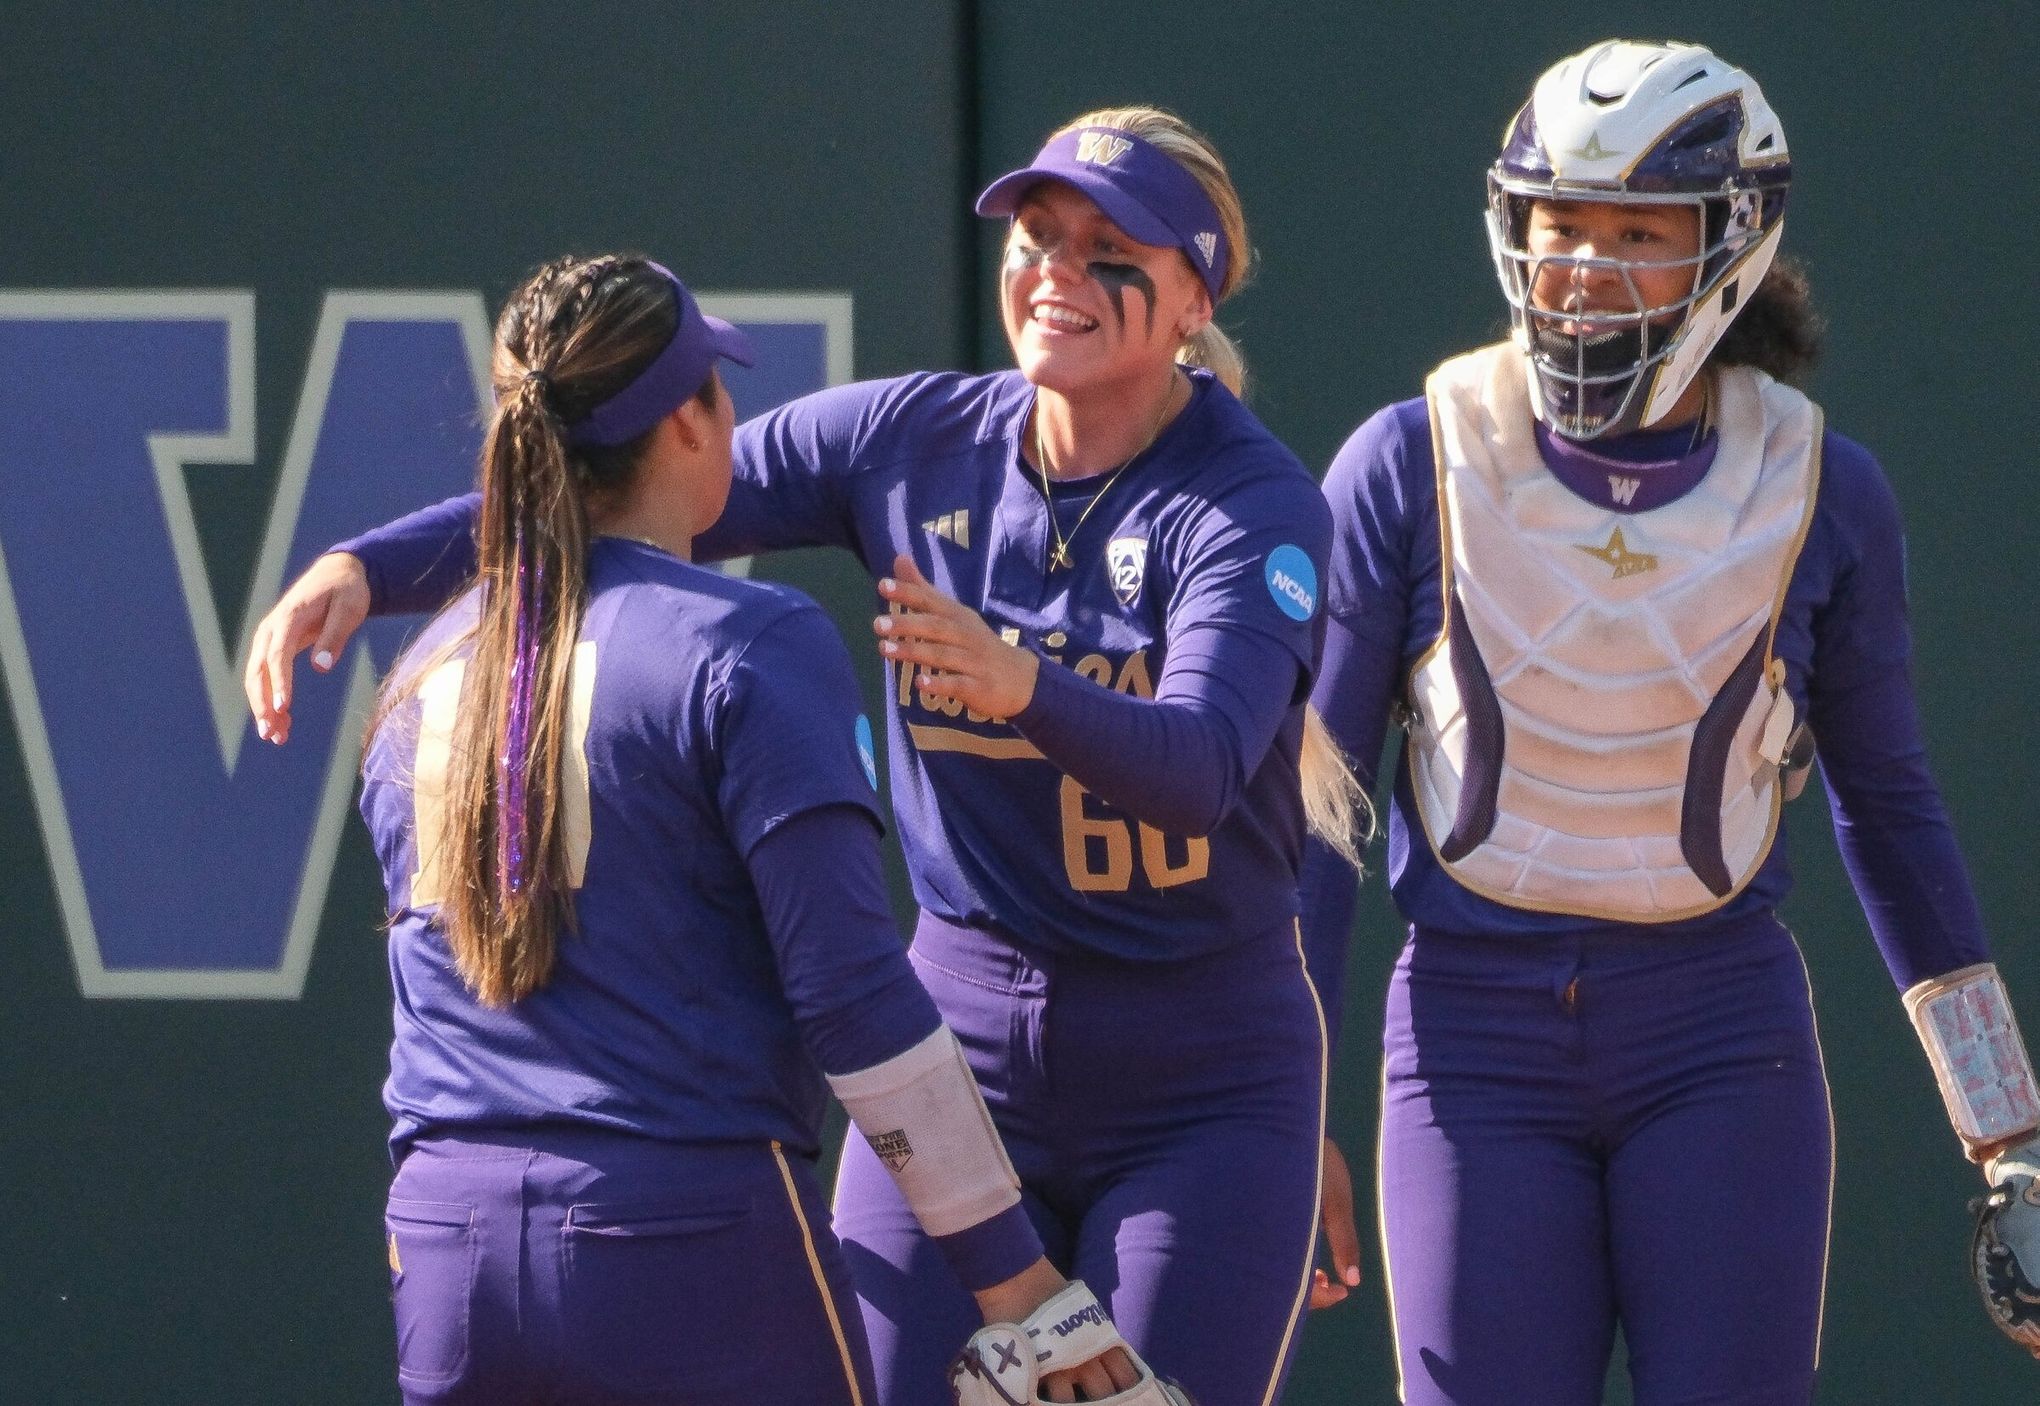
pixel 1101 579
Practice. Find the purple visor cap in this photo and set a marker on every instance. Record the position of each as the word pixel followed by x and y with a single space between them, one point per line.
pixel 675 374
pixel 1141 188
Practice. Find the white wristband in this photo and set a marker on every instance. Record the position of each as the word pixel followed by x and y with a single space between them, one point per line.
pixel 1972 1039
pixel 922 1114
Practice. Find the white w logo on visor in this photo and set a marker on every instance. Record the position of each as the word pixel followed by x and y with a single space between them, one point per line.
pixel 1101 148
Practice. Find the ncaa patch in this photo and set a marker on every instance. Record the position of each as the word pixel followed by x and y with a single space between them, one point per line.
pixel 1126 564
pixel 1292 581
pixel 866 752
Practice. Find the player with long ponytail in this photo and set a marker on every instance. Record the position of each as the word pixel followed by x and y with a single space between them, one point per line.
pixel 507 878
pixel 1101 578
pixel 596 785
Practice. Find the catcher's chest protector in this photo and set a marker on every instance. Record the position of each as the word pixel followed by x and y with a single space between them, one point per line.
pixel 1599 727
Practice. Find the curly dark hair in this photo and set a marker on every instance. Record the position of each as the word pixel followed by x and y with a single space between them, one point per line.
pixel 1778 331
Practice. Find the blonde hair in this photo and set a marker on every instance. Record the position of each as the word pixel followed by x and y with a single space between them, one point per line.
pixel 1335 804
pixel 1210 347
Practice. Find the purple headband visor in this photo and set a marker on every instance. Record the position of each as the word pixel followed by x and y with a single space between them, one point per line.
pixel 1141 188
pixel 675 374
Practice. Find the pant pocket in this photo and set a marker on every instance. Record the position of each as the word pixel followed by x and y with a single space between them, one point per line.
pixel 431 1248
pixel 659 1295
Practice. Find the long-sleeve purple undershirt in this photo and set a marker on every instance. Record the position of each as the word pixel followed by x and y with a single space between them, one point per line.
pixel 1178 762
pixel 420 561
pixel 1216 505
pixel 855 999
pixel 835 941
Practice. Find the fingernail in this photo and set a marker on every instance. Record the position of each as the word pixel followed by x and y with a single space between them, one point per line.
pixel 262 729
pixel 885 583
pixel 1352 1275
pixel 276 701
pixel 323 659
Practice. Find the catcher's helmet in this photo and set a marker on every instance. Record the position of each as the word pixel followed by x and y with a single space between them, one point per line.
pixel 1637 123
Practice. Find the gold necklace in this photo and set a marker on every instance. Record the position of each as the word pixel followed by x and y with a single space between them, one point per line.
pixel 1059 558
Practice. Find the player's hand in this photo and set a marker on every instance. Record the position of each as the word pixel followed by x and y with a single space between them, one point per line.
pixel 1048 1356
pixel 321 611
pixel 1014 1300
pixel 954 653
pixel 1094 1381
pixel 1335 1209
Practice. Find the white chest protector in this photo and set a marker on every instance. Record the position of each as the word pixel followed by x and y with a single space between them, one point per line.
pixel 1599 727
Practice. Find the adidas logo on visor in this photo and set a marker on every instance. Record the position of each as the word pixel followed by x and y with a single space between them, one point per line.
pixel 1207 245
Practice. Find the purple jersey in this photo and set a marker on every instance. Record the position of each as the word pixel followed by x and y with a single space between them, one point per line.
pixel 1091 823
pixel 720 711
pixel 1842 636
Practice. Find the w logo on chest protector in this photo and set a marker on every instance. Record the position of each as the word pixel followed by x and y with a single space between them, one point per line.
pixel 1126 560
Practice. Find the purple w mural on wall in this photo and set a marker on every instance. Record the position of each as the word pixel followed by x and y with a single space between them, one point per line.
pixel 188 861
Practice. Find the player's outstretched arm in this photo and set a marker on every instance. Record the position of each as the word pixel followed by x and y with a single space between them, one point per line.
pixel 1972 1040
pixel 321 611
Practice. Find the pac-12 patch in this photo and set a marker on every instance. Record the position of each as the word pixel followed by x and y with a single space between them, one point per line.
pixel 866 753
pixel 1126 562
pixel 1292 580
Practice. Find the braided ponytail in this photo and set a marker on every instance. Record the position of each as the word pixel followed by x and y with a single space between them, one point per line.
pixel 574 334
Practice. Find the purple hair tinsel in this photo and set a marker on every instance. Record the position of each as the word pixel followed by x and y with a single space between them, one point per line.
pixel 512 828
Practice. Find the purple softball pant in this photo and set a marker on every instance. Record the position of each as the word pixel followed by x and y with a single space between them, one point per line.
pixel 538 1267
pixel 1624 1128
pixel 1165 1121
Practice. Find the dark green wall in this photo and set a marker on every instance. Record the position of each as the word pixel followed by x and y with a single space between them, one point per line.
pixel 194 1187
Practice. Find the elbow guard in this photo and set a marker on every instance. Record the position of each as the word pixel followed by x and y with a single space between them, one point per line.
pixel 922 1114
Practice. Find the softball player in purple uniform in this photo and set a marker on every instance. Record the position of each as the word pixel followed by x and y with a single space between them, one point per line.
pixel 1617 582
pixel 1103 576
pixel 597 785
